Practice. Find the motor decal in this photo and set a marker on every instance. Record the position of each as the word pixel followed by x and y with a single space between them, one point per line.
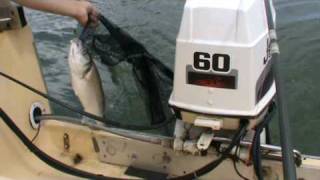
pixel 212 71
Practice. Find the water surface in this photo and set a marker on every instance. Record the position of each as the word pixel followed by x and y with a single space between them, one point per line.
pixel 156 23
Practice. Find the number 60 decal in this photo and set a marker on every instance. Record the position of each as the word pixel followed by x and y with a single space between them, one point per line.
pixel 216 62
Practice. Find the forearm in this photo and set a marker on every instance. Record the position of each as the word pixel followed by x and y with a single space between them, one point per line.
pixel 62 7
pixel 80 10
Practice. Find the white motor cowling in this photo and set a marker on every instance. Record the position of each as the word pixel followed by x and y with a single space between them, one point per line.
pixel 222 66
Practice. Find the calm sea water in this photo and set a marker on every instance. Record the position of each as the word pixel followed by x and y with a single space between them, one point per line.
pixel 156 23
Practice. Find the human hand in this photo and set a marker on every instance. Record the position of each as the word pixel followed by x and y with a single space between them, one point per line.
pixel 84 11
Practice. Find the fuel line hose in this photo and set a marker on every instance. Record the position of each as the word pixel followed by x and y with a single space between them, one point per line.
pixel 86 114
pixel 45 157
pixel 56 164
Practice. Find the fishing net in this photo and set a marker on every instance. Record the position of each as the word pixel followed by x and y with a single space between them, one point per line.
pixel 149 78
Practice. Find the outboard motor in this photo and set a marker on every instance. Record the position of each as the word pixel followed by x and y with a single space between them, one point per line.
pixel 223 64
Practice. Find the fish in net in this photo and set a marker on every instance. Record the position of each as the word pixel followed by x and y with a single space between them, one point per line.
pixel 113 47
